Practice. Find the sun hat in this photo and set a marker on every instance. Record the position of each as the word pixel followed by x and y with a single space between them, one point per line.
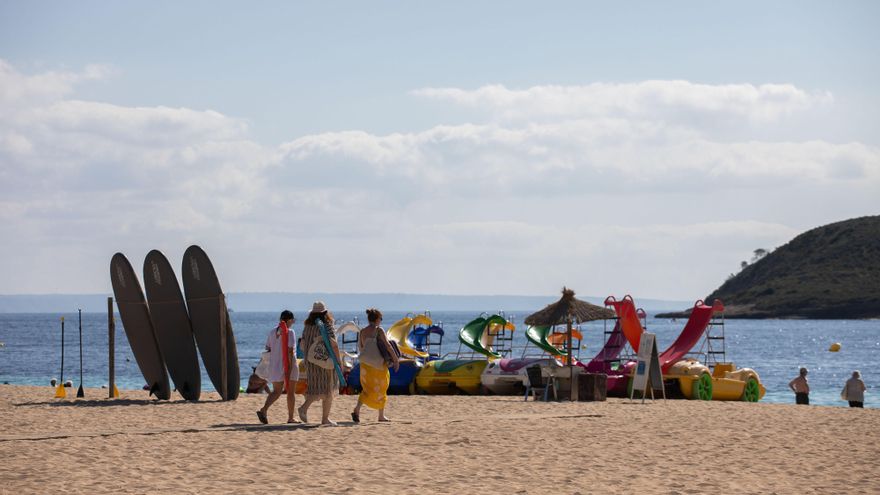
pixel 318 307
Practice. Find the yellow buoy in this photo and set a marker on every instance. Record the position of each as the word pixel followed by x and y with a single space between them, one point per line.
pixel 834 347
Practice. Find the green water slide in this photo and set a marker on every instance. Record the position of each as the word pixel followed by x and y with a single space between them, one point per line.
pixel 538 336
pixel 471 334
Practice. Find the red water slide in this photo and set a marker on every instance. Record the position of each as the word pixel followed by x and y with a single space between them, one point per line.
pixel 627 329
pixel 628 319
pixel 699 319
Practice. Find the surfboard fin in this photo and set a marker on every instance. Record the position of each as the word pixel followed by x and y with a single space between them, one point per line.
pixel 60 393
pixel 154 389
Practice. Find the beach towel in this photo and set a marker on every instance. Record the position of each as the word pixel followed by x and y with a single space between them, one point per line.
pixel 374 386
pixel 334 358
pixel 285 344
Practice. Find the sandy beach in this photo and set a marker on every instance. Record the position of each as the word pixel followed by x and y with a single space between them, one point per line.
pixel 435 444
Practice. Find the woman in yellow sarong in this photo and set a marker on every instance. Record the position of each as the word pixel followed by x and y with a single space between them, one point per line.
pixel 374 368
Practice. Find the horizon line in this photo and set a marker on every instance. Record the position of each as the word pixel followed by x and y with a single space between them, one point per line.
pixel 36 294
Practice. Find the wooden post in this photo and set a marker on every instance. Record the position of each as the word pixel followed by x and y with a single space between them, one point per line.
pixel 570 357
pixel 111 345
pixel 224 388
pixel 80 393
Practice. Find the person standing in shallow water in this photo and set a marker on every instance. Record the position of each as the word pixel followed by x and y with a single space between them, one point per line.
pixel 854 390
pixel 801 388
pixel 375 377
pixel 321 382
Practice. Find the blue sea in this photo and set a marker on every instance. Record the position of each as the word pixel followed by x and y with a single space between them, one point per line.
pixel 30 353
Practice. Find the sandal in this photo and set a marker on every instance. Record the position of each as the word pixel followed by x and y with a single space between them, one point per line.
pixel 262 417
pixel 356 417
pixel 292 422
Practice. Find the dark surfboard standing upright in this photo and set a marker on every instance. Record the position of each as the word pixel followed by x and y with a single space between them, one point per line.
pixel 210 322
pixel 138 325
pixel 172 325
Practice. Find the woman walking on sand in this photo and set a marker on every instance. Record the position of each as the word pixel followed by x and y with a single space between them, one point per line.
pixel 854 390
pixel 321 380
pixel 275 346
pixel 375 377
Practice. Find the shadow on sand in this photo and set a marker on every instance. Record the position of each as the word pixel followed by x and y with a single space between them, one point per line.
pixel 282 426
pixel 213 428
pixel 113 402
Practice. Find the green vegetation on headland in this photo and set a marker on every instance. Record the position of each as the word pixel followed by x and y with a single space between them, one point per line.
pixel 829 272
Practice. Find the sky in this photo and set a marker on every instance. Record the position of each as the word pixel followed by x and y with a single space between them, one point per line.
pixel 645 148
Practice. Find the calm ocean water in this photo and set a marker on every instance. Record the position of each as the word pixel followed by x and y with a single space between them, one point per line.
pixel 31 350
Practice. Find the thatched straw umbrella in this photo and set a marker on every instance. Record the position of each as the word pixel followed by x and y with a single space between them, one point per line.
pixel 569 310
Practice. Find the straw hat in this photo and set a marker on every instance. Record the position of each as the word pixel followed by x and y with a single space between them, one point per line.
pixel 318 307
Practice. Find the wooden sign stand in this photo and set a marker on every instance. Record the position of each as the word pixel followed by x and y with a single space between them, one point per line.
pixel 647 369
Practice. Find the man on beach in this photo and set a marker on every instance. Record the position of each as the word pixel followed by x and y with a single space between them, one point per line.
pixel 801 388
pixel 276 366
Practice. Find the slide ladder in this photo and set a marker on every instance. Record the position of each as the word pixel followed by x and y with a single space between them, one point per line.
pixel 714 345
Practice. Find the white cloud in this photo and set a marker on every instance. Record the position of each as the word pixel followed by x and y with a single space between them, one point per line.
pixel 133 159
pixel 19 90
pixel 614 187
pixel 654 99
pixel 598 137
pixel 136 126
pixel 572 157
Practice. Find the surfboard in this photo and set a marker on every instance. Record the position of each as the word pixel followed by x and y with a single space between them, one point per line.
pixel 171 325
pixel 209 316
pixel 135 315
